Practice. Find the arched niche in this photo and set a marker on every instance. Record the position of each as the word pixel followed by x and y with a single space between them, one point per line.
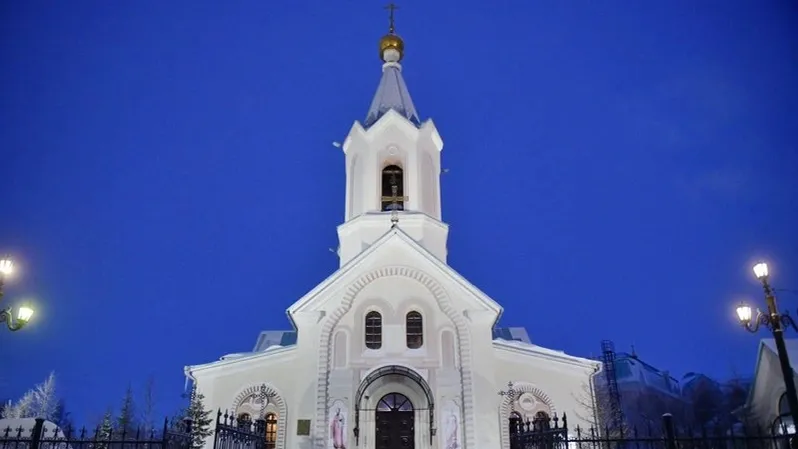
pixel 259 401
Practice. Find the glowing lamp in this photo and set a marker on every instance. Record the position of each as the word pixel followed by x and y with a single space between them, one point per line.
pixel 761 270
pixel 744 313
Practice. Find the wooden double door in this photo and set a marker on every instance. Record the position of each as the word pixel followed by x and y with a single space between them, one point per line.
pixel 395 422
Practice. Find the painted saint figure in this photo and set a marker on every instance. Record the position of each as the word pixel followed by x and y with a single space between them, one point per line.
pixel 452 432
pixel 337 430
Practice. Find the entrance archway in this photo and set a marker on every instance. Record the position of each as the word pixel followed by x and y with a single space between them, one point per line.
pixel 397 402
pixel 394 422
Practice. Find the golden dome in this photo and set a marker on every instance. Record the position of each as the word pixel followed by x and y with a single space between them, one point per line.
pixel 391 42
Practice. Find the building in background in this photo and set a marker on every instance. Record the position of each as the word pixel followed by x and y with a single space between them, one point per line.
pixel 766 405
pixel 644 393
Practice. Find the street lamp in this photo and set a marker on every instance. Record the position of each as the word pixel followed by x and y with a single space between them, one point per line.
pixel 25 313
pixel 776 322
pixel 6 268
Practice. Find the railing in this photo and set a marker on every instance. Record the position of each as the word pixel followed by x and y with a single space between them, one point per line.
pixel 175 435
pixel 234 433
pixel 555 434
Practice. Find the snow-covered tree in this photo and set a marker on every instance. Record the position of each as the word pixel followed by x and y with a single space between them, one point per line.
pixel 200 420
pixel 45 399
pixel 24 408
pixel 104 432
pixel 148 406
pixel 126 421
pixel 40 402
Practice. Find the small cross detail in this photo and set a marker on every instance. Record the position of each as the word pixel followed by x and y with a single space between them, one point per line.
pixel 394 199
pixel 511 393
pixel 391 8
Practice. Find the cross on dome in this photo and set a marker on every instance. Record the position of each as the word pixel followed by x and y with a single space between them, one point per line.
pixel 392 92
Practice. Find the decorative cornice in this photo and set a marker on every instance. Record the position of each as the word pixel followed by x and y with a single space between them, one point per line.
pixel 545 353
pixel 256 357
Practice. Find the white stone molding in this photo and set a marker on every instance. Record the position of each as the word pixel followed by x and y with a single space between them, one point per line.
pixel 505 409
pixel 275 398
pixel 445 305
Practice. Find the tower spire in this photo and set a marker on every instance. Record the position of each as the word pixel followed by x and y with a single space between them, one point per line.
pixel 392 92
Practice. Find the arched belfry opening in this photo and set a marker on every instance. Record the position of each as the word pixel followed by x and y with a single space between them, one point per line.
pixel 393 188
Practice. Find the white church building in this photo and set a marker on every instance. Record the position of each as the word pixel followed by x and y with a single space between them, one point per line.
pixel 395 349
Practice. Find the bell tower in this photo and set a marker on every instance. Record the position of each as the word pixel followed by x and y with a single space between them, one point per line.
pixel 392 166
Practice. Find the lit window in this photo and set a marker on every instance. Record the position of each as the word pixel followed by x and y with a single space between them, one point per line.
pixel 271 431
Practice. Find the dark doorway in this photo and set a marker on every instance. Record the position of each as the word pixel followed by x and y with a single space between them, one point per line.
pixel 395 422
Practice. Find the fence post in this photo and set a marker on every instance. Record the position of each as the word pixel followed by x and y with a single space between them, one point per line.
pixel 36 433
pixel 670 432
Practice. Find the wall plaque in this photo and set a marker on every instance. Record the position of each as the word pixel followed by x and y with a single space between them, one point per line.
pixel 303 427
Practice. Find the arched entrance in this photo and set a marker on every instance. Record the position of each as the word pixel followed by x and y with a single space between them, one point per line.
pixel 394 422
pixel 394 408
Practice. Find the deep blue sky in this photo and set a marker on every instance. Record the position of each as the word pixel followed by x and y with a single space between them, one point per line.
pixel 169 186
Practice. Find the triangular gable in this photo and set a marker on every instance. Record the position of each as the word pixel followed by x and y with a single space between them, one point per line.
pixel 316 296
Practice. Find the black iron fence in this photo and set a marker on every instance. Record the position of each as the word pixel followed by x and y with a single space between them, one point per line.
pixel 173 435
pixel 240 433
pixel 555 434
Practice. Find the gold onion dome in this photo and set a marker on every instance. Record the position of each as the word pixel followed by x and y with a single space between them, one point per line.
pixel 391 41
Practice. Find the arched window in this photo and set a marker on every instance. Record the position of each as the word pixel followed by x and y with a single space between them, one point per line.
pixel 542 421
pixel 393 188
pixel 244 421
pixel 373 330
pixel 516 423
pixel 447 349
pixel 394 402
pixel 414 330
pixel 271 431
pixel 339 350
pixel 783 424
pixel 784 405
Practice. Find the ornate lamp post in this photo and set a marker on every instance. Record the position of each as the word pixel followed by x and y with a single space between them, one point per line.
pixel 776 322
pixel 24 313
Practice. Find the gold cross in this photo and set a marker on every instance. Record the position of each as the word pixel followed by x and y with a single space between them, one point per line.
pixel 391 8
pixel 395 198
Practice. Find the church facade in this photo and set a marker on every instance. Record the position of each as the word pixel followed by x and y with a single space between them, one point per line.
pixel 395 349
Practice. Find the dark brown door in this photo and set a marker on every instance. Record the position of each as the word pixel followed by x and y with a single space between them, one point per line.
pixel 395 422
